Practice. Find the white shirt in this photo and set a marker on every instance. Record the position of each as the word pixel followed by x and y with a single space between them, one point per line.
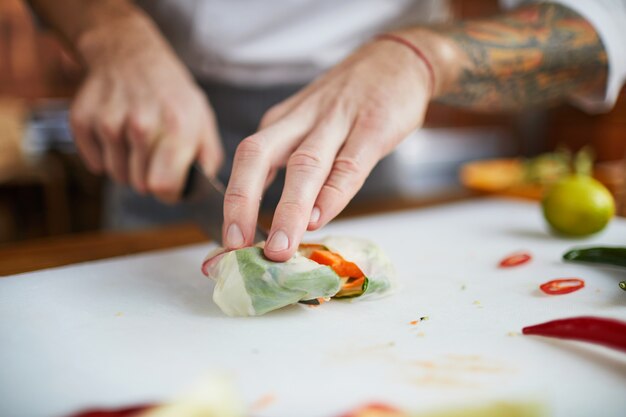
pixel 271 42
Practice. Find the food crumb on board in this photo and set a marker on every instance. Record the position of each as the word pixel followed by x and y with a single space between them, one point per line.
pixel 263 402
pixel 513 334
pixel 421 334
pixel 463 287
pixel 476 302
pixel 414 322
pixel 119 314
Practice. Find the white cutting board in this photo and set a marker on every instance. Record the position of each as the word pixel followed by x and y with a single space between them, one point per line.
pixel 142 328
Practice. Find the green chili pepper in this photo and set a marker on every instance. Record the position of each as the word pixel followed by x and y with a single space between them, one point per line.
pixel 615 256
pixel 601 255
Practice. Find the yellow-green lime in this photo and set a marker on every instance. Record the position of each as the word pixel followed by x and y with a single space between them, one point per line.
pixel 578 205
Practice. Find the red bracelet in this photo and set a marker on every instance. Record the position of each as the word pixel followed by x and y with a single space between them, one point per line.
pixel 416 50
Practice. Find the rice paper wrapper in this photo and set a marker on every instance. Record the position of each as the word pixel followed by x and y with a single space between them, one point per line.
pixel 371 259
pixel 248 284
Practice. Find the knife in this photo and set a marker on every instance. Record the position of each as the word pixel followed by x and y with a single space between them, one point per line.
pixel 203 199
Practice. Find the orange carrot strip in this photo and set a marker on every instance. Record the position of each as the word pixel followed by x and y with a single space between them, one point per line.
pixel 357 283
pixel 325 257
pixel 342 267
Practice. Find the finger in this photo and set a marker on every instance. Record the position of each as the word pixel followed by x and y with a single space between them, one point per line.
pixel 271 176
pixel 172 155
pixel 307 169
pixel 255 157
pixel 289 105
pixel 280 110
pixel 81 121
pixel 355 161
pixel 142 130
pixel 110 131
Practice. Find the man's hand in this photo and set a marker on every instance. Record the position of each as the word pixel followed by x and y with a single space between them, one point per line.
pixel 331 135
pixel 139 115
pixel 333 132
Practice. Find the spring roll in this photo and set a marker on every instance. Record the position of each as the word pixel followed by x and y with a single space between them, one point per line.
pixel 248 284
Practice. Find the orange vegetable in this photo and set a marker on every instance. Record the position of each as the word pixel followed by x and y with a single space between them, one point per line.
pixel 375 410
pixel 342 267
pixel 353 281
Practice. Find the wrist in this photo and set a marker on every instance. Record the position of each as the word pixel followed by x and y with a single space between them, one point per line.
pixel 440 56
pixel 118 35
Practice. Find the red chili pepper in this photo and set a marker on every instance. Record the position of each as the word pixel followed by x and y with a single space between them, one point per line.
pixel 607 332
pixel 562 286
pixel 515 259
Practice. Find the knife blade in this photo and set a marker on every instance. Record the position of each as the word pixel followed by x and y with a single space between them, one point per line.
pixel 203 198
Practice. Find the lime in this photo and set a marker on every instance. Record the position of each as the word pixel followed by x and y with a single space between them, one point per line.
pixel 578 205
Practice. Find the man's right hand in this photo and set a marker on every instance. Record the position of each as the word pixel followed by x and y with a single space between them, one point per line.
pixel 139 116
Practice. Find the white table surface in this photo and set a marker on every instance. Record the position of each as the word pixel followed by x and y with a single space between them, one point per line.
pixel 142 328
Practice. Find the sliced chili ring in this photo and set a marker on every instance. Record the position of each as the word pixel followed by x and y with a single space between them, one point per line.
pixel 515 259
pixel 562 286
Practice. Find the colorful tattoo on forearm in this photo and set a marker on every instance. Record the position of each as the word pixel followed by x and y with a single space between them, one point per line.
pixel 536 54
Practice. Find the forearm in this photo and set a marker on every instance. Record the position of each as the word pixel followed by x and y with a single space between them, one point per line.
pixel 534 55
pixel 90 26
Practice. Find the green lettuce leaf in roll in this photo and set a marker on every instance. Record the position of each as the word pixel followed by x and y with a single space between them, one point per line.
pixel 248 284
pixel 370 258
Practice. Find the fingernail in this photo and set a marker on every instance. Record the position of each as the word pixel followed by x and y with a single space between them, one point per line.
pixel 234 237
pixel 315 215
pixel 279 241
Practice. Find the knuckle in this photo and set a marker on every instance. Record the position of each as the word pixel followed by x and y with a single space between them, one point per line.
pixel 337 106
pixel 376 119
pixel 304 160
pixel 292 207
pixel 108 129
pixel 139 128
pixel 347 167
pixel 345 178
pixel 235 197
pixel 333 187
pixel 271 115
pixel 250 148
pixel 173 118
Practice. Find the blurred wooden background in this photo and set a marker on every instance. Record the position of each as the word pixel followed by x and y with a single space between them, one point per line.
pixel 55 195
